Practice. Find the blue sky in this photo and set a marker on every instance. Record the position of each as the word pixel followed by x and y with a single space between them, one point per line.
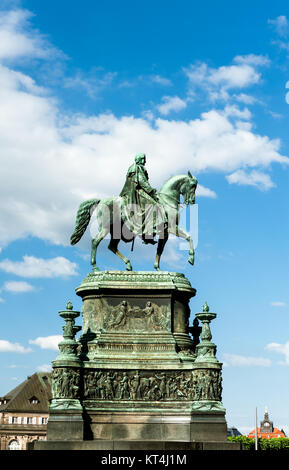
pixel 199 87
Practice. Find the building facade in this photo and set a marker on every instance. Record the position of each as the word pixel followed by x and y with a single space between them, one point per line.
pixel 24 413
pixel 266 429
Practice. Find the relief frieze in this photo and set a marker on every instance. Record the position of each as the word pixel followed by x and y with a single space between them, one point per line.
pixel 65 383
pixel 124 317
pixel 153 385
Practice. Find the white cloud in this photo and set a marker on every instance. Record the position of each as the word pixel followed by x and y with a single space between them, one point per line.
pixel 244 98
pixel 219 82
pixel 282 349
pixel 236 360
pixel 173 255
pixel 71 156
pixel 47 342
pixel 6 346
pixel 254 178
pixel 17 287
pixel 276 115
pixel 38 267
pixel 281 25
pixel 202 191
pixel 235 111
pixel 18 40
pixel 252 59
pixel 76 160
pixel 171 103
pixel 160 80
pixel 234 76
pixel 151 79
pixel 278 304
pixel 44 368
pixel 229 76
pixel 92 85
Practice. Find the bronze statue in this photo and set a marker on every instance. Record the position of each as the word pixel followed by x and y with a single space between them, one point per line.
pixel 139 211
pixel 139 200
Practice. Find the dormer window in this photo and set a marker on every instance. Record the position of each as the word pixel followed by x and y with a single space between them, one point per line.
pixel 34 401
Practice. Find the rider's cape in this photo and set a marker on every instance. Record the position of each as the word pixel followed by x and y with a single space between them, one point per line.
pixel 141 213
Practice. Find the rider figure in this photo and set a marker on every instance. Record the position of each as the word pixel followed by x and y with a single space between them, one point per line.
pixel 138 193
pixel 137 180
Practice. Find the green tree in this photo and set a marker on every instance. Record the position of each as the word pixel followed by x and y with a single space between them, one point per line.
pixel 278 443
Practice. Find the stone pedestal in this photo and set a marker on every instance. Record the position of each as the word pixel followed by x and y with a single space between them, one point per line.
pixel 134 375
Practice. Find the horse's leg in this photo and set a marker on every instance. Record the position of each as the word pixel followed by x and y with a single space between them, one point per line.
pixel 94 244
pixel 182 234
pixel 113 247
pixel 160 249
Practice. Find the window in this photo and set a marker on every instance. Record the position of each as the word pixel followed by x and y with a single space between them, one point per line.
pixel 30 420
pixel 42 420
pixel 13 420
pixel 34 401
pixel 14 445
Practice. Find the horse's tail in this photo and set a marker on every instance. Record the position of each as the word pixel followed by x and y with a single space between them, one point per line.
pixel 82 219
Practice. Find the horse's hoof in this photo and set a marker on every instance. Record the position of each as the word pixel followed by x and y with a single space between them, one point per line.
pixel 191 260
pixel 95 269
pixel 157 268
pixel 128 267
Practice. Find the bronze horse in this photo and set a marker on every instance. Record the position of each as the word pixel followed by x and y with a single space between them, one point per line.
pixel 110 213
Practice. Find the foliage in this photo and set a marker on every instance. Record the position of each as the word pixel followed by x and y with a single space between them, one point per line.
pixel 278 443
pixel 247 443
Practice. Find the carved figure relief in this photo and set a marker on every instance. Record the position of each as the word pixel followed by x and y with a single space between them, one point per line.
pixel 65 383
pixel 153 386
pixel 120 319
pixel 207 385
pixel 126 318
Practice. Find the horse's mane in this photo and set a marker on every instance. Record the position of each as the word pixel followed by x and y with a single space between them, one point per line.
pixel 172 181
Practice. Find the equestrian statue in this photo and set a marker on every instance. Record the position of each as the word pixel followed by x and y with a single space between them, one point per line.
pixel 139 211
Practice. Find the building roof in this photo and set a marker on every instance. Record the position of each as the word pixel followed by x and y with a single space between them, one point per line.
pixel 267 435
pixel 31 395
pixel 233 431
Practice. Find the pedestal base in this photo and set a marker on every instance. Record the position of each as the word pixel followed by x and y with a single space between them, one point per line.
pixel 135 382
pixel 153 426
pixel 136 445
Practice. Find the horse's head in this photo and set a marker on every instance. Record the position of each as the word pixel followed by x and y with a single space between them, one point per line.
pixel 188 189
